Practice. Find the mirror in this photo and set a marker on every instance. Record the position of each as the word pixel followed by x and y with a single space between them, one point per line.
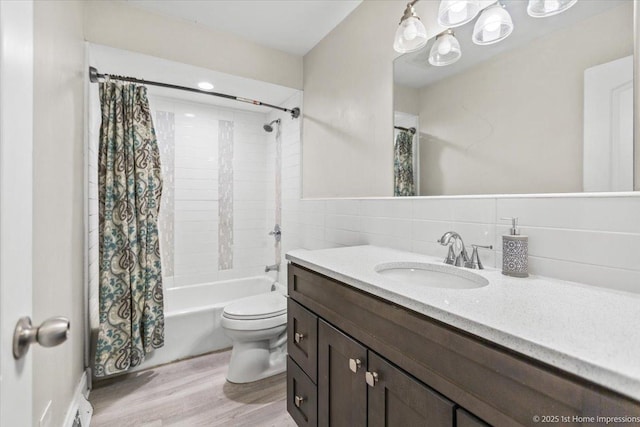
pixel 549 109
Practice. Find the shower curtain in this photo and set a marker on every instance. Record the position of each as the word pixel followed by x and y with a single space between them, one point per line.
pixel 129 190
pixel 403 184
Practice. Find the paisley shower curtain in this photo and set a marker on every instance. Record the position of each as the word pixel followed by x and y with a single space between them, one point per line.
pixel 129 188
pixel 403 184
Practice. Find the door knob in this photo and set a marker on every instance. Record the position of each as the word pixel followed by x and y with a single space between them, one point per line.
pixel 298 337
pixel 354 365
pixel 51 332
pixel 371 378
pixel 298 400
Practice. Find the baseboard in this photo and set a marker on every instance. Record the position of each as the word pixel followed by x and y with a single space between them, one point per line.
pixel 80 410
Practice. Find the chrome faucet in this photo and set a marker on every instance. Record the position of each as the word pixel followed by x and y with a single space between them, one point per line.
pixel 274 267
pixel 457 254
pixel 475 258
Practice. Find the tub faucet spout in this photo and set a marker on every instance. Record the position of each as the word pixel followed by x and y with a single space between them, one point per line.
pixel 274 267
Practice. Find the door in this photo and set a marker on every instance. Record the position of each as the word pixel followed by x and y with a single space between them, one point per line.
pixel 16 130
pixel 608 126
pixel 342 391
pixel 396 399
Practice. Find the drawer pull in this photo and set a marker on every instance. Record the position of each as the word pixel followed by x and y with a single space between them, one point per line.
pixel 298 400
pixel 354 365
pixel 298 337
pixel 371 378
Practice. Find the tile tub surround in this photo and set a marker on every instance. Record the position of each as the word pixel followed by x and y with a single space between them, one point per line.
pixel 582 330
pixel 587 238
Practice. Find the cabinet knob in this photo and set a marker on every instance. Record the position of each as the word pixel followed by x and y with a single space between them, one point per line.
pixel 298 400
pixel 371 378
pixel 354 365
pixel 298 337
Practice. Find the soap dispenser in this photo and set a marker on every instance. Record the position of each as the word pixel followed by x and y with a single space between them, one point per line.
pixel 515 252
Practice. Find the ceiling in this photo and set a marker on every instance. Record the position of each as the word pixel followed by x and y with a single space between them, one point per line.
pixel 293 26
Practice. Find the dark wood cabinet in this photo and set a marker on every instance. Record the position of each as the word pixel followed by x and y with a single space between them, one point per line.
pixel 302 338
pixel 342 391
pixel 397 399
pixel 302 401
pixel 465 419
pixel 427 373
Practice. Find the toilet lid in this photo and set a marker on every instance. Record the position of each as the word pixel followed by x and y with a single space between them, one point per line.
pixel 257 307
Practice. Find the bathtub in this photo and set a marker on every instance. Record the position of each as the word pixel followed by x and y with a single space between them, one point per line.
pixel 192 317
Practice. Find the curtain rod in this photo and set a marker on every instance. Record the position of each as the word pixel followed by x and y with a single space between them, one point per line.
pixel 94 75
pixel 410 130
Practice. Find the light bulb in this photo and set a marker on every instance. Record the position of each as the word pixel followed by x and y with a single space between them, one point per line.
pixel 493 24
pixel 444 47
pixel 458 6
pixel 551 5
pixel 410 31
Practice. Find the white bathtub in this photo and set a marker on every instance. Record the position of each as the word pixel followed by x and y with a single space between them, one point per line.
pixel 192 317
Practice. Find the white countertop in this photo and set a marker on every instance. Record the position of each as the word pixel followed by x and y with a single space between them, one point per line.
pixel 590 332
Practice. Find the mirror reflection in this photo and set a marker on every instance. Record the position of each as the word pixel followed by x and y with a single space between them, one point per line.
pixel 548 108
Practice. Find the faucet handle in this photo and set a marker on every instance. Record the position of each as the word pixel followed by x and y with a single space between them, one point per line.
pixel 475 262
pixel 451 257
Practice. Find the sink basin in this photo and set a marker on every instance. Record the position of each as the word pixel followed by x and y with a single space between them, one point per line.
pixel 431 275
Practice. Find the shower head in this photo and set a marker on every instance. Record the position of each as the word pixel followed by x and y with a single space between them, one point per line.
pixel 268 127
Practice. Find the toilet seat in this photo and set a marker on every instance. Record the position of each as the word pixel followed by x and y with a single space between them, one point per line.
pixel 257 307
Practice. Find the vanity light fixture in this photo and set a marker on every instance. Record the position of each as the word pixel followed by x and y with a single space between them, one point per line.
pixel 445 50
pixel 544 8
pixel 493 25
pixel 453 13
pixel 411 34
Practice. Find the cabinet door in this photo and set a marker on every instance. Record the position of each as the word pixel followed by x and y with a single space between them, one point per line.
pixel 342 391
pixel 396 399
pixel 465 419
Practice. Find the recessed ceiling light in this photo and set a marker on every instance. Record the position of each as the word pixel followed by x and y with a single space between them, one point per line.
pixel 189 115
pixel 205 85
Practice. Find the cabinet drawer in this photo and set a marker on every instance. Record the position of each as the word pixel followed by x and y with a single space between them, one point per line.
pixel 302 339
pixel 302 396
pixel 465 419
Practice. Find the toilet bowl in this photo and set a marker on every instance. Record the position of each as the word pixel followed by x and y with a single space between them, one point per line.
pixel 257 325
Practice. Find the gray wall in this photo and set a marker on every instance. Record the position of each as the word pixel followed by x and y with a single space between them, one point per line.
pixel 524 118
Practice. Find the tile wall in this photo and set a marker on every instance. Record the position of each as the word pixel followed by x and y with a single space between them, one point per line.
pixel 593 240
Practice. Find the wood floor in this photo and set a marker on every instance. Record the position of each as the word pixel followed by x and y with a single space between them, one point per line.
pixel 189 393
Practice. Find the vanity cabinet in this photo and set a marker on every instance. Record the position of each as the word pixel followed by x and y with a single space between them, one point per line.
pixel 357 387
pixel 368 361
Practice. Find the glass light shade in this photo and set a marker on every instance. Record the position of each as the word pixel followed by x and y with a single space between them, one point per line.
pixel 544 8
pixel 410 35
pixel 445 50
pixel 453 13
pixel 494 25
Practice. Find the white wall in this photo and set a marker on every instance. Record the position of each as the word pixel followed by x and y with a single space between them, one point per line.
pixel 475 141
pixel 117 24
pixel 58 200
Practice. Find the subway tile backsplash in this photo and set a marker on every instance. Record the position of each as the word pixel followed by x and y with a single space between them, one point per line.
pixel 590 239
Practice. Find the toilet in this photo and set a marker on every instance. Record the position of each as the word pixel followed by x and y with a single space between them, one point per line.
pixel 257 325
